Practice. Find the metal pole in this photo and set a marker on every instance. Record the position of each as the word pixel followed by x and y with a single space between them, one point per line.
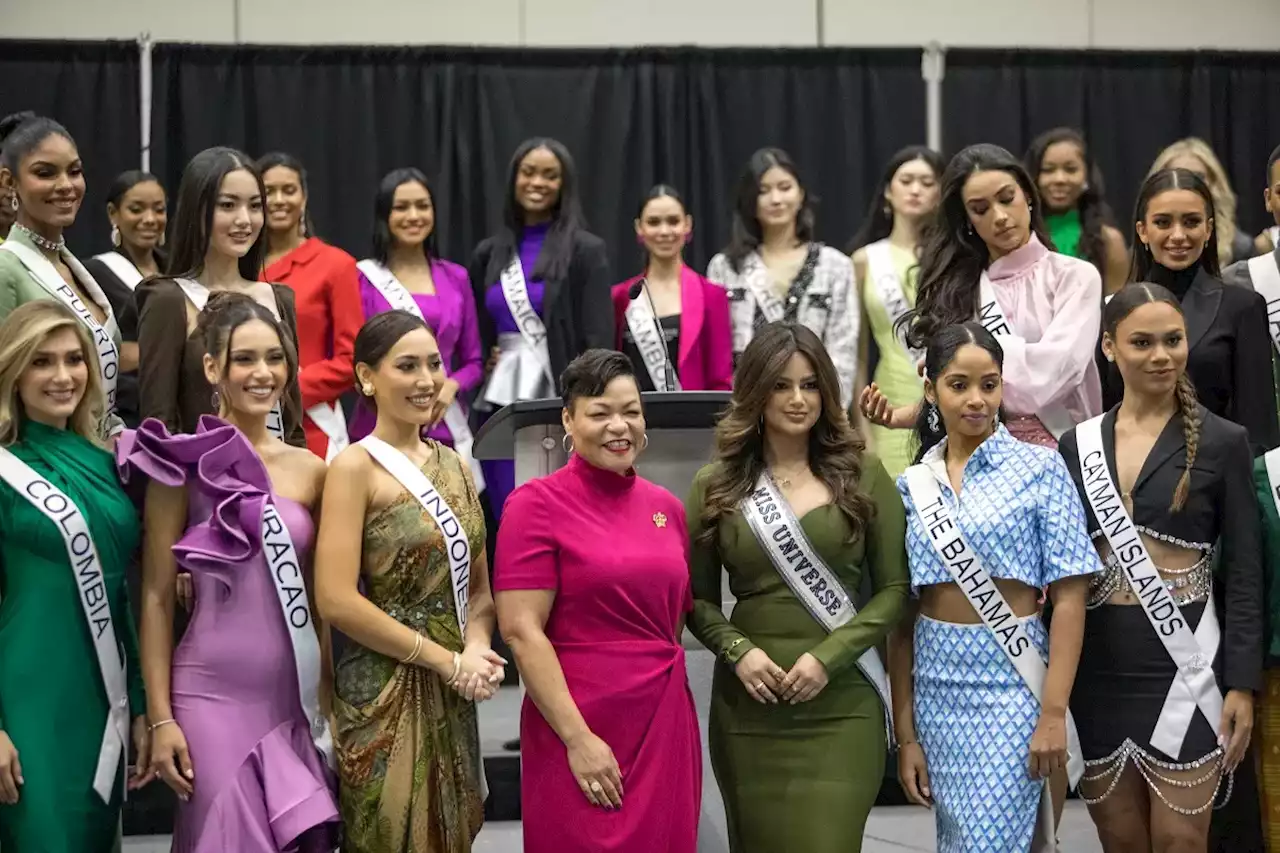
pixel 933 67
pixel 144 98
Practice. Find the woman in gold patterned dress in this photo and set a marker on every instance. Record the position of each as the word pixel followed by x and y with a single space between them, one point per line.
pixel 401 517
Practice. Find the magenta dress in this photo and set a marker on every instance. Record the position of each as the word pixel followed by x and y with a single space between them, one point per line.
pixel 260 784
pixel 614 549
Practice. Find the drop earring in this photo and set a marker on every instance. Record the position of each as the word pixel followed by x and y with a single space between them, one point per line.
pixel 934 422
pixel 115 235
pixel 216 400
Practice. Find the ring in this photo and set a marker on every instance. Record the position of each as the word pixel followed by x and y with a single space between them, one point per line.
pixel 596 787
pixel 759 685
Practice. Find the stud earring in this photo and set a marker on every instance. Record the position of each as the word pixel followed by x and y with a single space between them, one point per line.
pixel 366 390
pixel 115 235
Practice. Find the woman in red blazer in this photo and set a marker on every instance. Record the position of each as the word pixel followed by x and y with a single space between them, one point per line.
pixel 690 313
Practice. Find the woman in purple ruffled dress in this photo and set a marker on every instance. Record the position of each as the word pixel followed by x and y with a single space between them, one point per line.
pixel 235 709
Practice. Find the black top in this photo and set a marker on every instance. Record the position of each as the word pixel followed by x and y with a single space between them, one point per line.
pixel 577 310
pixel 670 333
pixel 120 295
pixel 1230 353
pixel 1220 507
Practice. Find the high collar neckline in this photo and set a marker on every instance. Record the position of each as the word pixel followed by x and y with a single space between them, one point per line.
pixel 601 480
pixel 1019 260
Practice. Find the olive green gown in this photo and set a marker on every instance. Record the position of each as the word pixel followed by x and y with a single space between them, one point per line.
pixel 798 777
pixel 53 705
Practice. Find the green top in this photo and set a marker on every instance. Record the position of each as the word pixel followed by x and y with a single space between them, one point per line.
pixel 1270 556
pixel 767 613
pixel 1064 228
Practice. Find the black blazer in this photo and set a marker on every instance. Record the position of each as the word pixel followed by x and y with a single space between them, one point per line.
pixel 1221 507
pixel 120 295
pixel 577 310
pixel 1229 361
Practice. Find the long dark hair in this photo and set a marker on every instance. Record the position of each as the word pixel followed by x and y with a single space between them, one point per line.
pixel 566 217
pixel 954 256
pixel 193 215
pixel 227 311
pixel 382 204
pixel 835 450
pixel 746 234
pixel 1163 181
pixel 940 352
pixel 1092 204
pixel 273 159
pixel 1125 301
pixel 878 222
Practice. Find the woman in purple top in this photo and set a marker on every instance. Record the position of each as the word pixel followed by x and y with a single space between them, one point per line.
pixel 406 273
pixel 542 285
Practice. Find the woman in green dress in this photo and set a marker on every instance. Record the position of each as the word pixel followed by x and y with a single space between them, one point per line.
pixel 885 266
pixel 401 515
pixel 796 512
pixel 69 675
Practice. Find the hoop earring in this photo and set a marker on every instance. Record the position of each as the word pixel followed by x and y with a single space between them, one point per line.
pixel 566 444
pixel 645 446
pixel 760 426
pixel 13 202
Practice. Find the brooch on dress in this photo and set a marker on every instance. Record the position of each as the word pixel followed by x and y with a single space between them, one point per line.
pixel 659 520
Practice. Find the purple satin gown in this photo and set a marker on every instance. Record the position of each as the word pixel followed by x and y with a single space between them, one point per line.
pixel 260 784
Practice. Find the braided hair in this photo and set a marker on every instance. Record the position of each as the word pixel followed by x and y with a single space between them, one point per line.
pixel 1125 302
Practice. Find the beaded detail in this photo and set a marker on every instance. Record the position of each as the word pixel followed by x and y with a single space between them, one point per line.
pixel 1185 585
pixel 1113 766
pixel 1161 537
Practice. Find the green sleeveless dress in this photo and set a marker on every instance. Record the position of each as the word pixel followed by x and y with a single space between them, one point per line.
pixel 896 372
pixel 53 705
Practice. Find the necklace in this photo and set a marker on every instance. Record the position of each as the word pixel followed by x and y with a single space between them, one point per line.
pixel 783 482
pixel 41 242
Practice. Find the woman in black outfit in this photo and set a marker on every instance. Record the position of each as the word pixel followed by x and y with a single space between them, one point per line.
pixel 1176 247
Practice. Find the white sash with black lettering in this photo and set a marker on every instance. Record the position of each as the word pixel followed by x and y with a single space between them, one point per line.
pixel 122 268
pixel 889 287
pixel 653 347
pixel 199 296
pixel 286 575
pixel 972 578
pixel 400 299
pixel 516 292
pixel 757 277
pixel 456 545
pixel 1192 653
pixel 103 334
pixel 85 565
pixel 1264 272
pixel 779 533
pixel 1055 417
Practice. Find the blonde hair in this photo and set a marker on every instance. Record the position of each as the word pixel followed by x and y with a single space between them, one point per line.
pixel 21 334
pixel 1224 198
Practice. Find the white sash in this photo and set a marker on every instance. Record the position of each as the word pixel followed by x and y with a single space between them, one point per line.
pixel 286 574
pixel 1264 272
pixel 889 286
pixel 985 597
pixel 516 291
pixel 1192 653
pixel 1055 416
pixel 84 563
pixel 456 544
pixel 400 299
pixel 779 533
pixel 757 278
pixel 652 346
pixel 122 268
pixel 333 423
pixel 199 296
pixel 103 333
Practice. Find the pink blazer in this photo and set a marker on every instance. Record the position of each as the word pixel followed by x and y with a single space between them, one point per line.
pixel 706 340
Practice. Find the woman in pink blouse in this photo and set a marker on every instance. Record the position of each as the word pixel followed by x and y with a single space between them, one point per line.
pixel 989 259
pixel 691 313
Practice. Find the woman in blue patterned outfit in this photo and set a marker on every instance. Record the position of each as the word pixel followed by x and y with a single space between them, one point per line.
pixel 990 522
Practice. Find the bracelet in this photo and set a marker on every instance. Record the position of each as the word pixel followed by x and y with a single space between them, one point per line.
pixel 903 743
pixel 154 726
pixel 417 649
pixel 457 670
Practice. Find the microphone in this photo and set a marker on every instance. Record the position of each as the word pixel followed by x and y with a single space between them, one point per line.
pixel 632 293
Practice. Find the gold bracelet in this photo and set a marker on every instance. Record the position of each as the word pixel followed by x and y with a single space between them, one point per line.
pixel 417 649
pixel 457 670
pixel 154 726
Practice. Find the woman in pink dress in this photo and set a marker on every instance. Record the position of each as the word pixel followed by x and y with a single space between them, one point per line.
pixel 593 588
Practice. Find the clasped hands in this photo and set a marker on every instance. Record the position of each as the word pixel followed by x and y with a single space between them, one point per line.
pixel 767 683
pixel 480 673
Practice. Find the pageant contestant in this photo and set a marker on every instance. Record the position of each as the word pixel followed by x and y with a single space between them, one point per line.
pixel 237 725
pixel 401 570
pixel 987 261
pixel 218 245
pixel 991 521
pixel 323 280
pixel 799 709
pixel 1197 157
pixel 690 313
pixel 593 590
pixel 774 268
pixel 1163 480
pixel 69 677
pixel 1269 240
pixel 541 288
pixel 1076 214
pixel 1267 245
pixel 886 262
pixel 7 211
pixel 136 208
pixel 41 168
pixel 1175 246
pixel 406 273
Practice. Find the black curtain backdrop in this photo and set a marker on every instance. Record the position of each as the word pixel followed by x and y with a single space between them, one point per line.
pixel 92 89
pixel 690 117
pixel 1129 105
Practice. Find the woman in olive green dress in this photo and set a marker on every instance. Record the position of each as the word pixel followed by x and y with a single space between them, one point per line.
pixel 56 695
pixel 796 512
